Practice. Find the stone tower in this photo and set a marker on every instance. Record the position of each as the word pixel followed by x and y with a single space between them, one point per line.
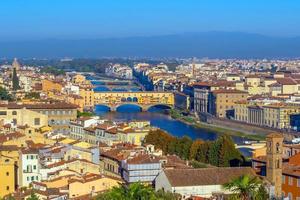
pixel 16 65
pixel 274 162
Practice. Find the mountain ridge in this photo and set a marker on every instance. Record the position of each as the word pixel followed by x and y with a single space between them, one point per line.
pixel 212 44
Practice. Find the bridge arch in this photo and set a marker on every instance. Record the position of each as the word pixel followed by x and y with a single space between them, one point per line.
pixel 134 105
pixel 102 107
pixel 163 106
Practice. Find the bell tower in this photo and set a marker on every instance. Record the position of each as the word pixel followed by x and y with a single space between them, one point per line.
pixel 274 162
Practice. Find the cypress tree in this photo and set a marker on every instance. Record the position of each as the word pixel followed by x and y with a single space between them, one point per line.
pixel 15 80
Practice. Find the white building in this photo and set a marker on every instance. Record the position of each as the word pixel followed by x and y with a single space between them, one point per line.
pixel 203 182
pixel 141 168
pixel 29 169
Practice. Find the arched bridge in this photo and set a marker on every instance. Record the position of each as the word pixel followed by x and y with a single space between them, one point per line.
pixel 143 99
pixel 256 145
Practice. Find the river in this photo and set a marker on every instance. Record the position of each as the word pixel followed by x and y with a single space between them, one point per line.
pixel 159 119
pixel 163 121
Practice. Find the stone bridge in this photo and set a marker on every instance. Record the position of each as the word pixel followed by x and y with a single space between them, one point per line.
pixel 145 100
pixel 257 145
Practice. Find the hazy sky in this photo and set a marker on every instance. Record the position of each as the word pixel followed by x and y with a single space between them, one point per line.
pixel 31 19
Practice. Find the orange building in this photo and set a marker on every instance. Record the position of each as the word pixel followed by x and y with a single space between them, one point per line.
pixel 291 178
pixel 49 85
pixel 76 100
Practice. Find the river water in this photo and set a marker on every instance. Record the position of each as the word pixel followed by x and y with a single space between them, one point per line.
pixel 159 119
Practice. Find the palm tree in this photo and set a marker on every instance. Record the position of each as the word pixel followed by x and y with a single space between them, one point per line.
pixel 244 187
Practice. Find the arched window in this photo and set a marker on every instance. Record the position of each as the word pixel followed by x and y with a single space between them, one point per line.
pixel 277 147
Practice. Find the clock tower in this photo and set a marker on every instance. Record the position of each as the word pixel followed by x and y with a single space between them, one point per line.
pixel 274 162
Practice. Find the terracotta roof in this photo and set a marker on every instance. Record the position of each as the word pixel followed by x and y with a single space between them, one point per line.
pixel 9 148
pixel 205 176
pixel 229 91
pixel 286 81
pixel 274 135
pixel 143 159
pixel 55 105
pixel 29 151
pixel 10 136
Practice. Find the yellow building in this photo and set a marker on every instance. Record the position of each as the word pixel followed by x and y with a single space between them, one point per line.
pixel 76 100
pixel 35 137
pixel 133 136
pixel 21 116
pixel 224 100
pixel 91 183
pixel 8 175
pixel 87 93
pixel 79 79
pixel 49 85
pixel 79 186
pixel 241 111
pixel 11 151
pixel 278 115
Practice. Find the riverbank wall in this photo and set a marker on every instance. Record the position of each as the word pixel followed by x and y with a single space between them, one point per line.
pixel 247 128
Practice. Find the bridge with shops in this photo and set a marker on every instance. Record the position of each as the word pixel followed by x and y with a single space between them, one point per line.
pixel 143 99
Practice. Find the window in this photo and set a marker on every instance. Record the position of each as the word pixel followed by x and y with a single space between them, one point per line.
pixel 34 166
pixel 290 196
pixel 37 121
pixel 14 112
pixel 27 178
pixel 32 178
pixel 290 180
pixel 3 113
pixel 298 182
pixel 7 187
pixel 31 157
pixel 7 173
pixel 283 179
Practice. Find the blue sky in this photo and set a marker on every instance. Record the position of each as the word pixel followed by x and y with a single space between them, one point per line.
pixel 30 19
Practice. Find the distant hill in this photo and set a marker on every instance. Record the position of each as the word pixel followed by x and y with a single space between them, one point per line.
pixel 205 44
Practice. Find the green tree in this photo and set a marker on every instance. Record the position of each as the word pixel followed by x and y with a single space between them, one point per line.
pixel 195 148
pixel 162 195
pixel 4 95
pixel 261 194
pixel 135 191
pixel 160 139
pixel 228 154
pixel 32 95
pixel 15 80
pixel 223 153
pixel 203 152
pixel 33 196
pixel 244 187
pixel 85 114
pixel 213 155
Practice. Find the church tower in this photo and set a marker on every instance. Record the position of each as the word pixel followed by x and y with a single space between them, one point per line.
pixel 274 162
pixel 16 65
